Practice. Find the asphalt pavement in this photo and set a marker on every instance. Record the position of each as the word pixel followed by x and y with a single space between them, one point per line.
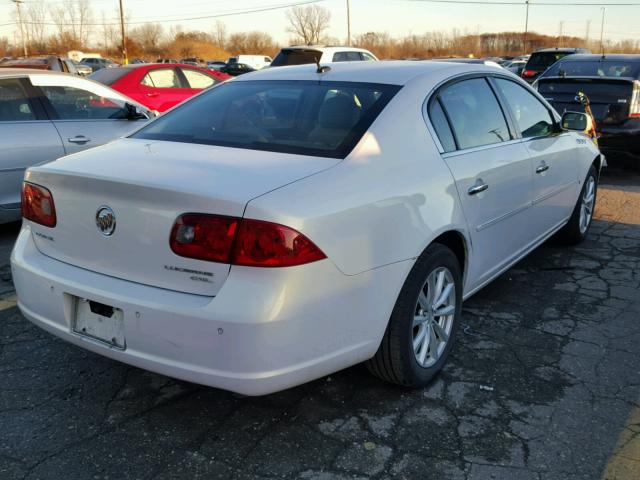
pixel 542 384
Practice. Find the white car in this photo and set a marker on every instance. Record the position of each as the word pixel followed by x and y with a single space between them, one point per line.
pixel 279 228
pixel 301 55
pixel 257 62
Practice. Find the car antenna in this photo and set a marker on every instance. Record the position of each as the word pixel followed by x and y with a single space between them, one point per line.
pixel 321 68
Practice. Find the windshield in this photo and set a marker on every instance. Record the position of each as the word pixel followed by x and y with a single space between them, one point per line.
pixel 594 68
pixel 301 117
pixel 296 56
pixel 108 76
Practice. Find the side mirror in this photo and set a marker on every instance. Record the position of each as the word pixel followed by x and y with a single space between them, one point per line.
pixel 134 113
pixel 576 121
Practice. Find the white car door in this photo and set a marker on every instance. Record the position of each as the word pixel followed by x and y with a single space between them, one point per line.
pixel 492 172
pixel 554 156
pixel 85 113
pixel 28 138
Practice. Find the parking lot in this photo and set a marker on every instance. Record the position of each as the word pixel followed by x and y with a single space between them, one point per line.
pixel 543 384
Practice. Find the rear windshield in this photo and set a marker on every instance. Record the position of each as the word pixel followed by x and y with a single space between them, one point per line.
pixel 296 56
pixel 594 68
pixel 108 76
pixel 301 117
pixel 543 60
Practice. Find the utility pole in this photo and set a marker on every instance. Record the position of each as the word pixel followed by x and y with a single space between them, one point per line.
pixel 125 60
pixel 526 28
pixel 24 40
pixel 560 33
pixel 348 23
pixel 586 35
pixel 602 31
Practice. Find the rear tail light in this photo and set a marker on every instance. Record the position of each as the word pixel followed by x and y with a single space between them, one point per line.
pixel 247 242
pixel 37 205
pixel 528 73
pixel 634 107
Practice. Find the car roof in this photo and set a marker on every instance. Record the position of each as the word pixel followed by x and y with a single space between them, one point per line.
pixel 23 72
pixel 561 50
pixel 599 57
pixel 395 72
pixel 322 48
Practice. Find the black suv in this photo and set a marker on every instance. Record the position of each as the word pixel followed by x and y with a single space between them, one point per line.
pixel 612 85
pixel 540 60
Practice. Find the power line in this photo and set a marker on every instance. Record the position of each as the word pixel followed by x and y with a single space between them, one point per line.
pixel 186 19
pixel 523 2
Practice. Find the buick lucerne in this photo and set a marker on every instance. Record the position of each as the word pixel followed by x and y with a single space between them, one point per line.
pixel 295 221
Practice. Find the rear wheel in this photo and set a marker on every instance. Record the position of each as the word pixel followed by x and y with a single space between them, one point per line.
pixel 423 323
pixel 575 231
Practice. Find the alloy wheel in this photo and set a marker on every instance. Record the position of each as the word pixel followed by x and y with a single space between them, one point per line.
pixel 586 205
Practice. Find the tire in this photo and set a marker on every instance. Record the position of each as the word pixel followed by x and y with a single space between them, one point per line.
pixel 396 361
pixel 576 230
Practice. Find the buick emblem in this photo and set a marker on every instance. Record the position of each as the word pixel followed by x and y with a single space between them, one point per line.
pixel 106 221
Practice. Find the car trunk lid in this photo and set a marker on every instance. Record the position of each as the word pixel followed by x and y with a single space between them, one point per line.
pixel 611 98
pixel 147 185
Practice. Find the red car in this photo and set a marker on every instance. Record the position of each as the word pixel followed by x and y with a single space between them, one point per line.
pixel 158 86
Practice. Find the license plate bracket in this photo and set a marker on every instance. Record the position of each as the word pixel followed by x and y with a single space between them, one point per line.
pixel 100 322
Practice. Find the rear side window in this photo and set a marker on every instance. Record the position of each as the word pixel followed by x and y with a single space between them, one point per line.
pixel 476 116
pixel 197 79
pixel 324 119
pixel 441 126
pixel 532 117
pixel 297 56
pixel 347 57
pixel 14 104
pixel 161 78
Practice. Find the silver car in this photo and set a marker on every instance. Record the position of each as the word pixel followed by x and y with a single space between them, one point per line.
pixel 45 115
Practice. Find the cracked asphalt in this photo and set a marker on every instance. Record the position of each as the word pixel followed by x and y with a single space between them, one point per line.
pixel 542 384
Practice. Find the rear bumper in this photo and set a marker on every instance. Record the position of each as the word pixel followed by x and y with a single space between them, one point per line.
pixel 267 330
pixel 621 143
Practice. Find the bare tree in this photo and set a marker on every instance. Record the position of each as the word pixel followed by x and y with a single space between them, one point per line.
pixel 308 23
pixel 148 36
pixel 256 43
pixel 72 18
pixel 219 34
pixel 36 16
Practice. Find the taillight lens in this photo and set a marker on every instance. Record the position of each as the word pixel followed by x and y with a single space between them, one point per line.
pixel 37 205
pixel 205 237
pixel 265 244
pixel 634 107
pixel 246 242
pixel 528 73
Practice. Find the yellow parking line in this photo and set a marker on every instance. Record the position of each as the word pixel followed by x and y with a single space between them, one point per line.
pixel 624 464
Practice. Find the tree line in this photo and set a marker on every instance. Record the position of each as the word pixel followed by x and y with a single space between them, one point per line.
pixel 73 25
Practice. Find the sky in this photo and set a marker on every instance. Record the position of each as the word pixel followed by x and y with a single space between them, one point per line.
pixel 397 17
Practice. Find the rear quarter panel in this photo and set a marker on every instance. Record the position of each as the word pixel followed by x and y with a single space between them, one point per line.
pixel 384 203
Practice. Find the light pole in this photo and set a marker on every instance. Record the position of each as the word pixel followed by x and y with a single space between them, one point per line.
pixel 24 41
pixel 602 31
pixel 526 27
pixel 125 60
pixel 348 23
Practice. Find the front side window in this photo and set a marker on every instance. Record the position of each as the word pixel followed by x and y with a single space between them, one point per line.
pixel 14 104
pixel 367 57
pixel 198 80
pixel 532 117
pixel 161 78
pixel 347 57
pixel 72 103
pixel 300 117
pixel 475 114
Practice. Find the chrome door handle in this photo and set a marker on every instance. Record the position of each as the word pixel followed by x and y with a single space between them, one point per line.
pixel 479 186
pixel 543 167
pixel 79 139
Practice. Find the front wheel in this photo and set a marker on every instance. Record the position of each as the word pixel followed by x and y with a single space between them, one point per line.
pixel 424 321
pixel 575 231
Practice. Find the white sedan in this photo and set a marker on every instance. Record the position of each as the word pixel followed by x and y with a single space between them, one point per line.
pixel 296 221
